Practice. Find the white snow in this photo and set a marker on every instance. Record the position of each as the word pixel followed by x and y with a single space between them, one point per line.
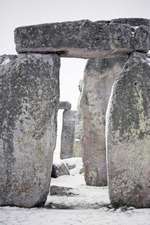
pixel 82 214
pixel 77 161
pixel 86 197
pixel 18 216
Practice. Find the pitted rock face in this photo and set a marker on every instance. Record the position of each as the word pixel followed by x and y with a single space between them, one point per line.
pixel 77 149
pixel 83 39
pixel 29 97
pixel 68 134
pixel 134 22
pixel 128 135
pixel 98 80
pixel 64 105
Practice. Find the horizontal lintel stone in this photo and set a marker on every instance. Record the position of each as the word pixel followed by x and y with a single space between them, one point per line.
pixel 84 38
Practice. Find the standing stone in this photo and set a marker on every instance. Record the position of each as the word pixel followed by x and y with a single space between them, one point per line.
pixel 29 97
pixel 68 134
pixel 128 135
pixel 77 149
pixel 98 80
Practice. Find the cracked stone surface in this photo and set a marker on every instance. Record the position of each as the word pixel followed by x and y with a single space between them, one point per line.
pixel 97 83
pixel 68 134
pixel 84 38
pixel 128 135
pixel 29 97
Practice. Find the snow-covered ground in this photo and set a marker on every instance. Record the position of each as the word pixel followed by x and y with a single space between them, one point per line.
pixel 87 207
pixel 85 197
pixel 103 216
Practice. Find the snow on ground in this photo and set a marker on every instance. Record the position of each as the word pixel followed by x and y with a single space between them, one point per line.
pixel 89 208
pixel 103 216
pixel 86 197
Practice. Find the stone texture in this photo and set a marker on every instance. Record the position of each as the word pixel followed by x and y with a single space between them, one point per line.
pixel 142 38
pixel 29 97
pixel 61 191
pixel 135 22
pixel 128 135
pixel 65 105
pixel 59 169
pixel 83 39
pixel 68 134
pixel 141 30
pixel 98 79
pixel 77 148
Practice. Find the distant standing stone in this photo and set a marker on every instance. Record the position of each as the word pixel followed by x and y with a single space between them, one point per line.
pixel 29 97
pixel 77 152
pixel 128 135
pixel 68 134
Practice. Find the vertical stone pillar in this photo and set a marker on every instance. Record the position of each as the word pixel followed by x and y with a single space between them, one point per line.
pixel 98 80
pixel 77 149
pixel 128 135
pixel 29 97
pixel 68 134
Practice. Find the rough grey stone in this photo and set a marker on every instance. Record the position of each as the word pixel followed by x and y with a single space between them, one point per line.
pixel 141 30
pixel 135 22
pixel 68 134
pixel 65 105
pixel 98 79
pixel 77 149
pixel 60 169
pixel 128 135
pixel 142 38
pixel 61 191
pixel 29 97
pixel 83 39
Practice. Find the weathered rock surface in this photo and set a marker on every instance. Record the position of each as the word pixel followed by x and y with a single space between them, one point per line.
pixel 59 169
pixel 77 149
pixel 65 105
pixel 29 97
pixel 98 80
pixel 128 135
pixel 142 38
pixel 135 22
pixel 61 191
pixel 68 134
pixel 83 39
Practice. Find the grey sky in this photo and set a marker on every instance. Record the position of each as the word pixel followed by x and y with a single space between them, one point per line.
pixel 15 13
